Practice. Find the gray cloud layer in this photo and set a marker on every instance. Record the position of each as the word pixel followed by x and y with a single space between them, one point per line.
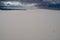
pixel 24 0
pixel 33 0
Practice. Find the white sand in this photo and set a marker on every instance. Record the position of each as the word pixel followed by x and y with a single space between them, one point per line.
pixel 36 24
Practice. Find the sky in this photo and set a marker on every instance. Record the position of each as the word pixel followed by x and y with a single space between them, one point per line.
pixel 24 0
pixel 33 0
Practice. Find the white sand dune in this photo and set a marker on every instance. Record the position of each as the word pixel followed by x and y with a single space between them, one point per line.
pixel 35 24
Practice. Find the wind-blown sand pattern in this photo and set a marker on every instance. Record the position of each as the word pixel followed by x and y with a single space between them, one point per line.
pixel 35 24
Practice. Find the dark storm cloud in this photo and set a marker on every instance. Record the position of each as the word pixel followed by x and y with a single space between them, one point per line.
pixel 36 1
pixel 9 0
pixel 24 0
